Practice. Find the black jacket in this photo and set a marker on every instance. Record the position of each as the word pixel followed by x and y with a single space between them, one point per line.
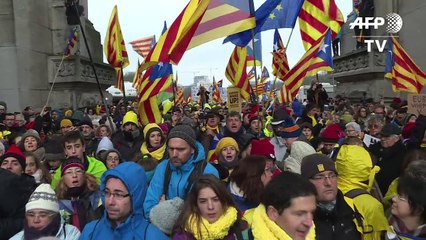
pixel 126 147
pixel 390 162
pixel 338 224
pixel 14 191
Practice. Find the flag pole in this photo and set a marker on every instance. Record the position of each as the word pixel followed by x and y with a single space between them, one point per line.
pixel 174 91
pixel 92 64
pixel 54 80
pixel 123 85
pixel 256 79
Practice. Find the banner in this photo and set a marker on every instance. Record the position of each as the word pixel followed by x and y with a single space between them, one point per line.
pixel 416 104
pixel 234 99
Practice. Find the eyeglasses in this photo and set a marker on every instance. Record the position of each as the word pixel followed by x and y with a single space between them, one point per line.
pixel 400 198
pixel 40 215
pixel 111 159
pixel 117 196
pixel 373 126
pixel 331 176
pixel 76 172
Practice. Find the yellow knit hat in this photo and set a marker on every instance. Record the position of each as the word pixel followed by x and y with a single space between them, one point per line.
pixel 225 142
pixel 130 117
pixel 65 123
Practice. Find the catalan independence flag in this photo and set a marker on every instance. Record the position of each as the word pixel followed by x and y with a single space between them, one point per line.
pixel 143 46
pixel 114 46
pixel 216 97
pixel 317 58
pixel 254 49
pixel 315 17
pixel 149 111
pixel 200 21
pixel 71 41
pixel 156 79
pixel 279 57
pixel 236 71
pixel 405 74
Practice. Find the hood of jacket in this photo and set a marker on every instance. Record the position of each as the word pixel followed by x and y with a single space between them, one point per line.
pixel 134 178
pixel 199 155
pixel 104 144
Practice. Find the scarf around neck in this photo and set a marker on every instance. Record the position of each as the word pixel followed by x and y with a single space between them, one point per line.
pixel 264 228
pixel 216 230
pixel 157 153
pixel 49 231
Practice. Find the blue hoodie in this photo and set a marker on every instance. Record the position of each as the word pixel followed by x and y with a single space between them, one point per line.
pixel 135 227
pixel 178 179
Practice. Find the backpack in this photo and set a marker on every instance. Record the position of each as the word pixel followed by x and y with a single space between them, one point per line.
pixel 196 172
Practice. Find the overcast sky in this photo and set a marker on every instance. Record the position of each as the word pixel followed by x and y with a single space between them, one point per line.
pixel 142 18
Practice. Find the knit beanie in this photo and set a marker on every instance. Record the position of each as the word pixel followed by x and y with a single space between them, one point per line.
pixel 407 129
pixel 104 145
pixel 71 162
pixel 263 148
pixel 226 142
pixel 149 128
pixel 290 129
pixel 184 132
pixel 86 121
pixel 316 163
pixel 15 152
pixel 130 117
pixel 32 133
pixel 165 214
pixel 53 150
pixel 332 133
pixel 43 198
pixel 279 116
pixel 66 123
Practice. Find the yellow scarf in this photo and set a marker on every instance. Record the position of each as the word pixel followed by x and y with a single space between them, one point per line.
pixel 157 154
pixel 264 228
pixel 214 129
pixel 216 230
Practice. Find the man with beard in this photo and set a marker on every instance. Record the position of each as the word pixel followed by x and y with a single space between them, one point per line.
pixel 129 140
pixel 174 176
pixel 74 147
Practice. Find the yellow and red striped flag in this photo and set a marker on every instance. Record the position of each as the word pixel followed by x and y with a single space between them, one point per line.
pixel 137 79
pixel 114 46
pixel 71 41
pixel 315 17
pixel 284 96
pixel 143 46
pixel 179 97
pixel 279 57
pixel 236 71
pixel 317 58
pixel 216 97
pixel 149 111
pixel 155 80
pixel 259 88
pixel 405 74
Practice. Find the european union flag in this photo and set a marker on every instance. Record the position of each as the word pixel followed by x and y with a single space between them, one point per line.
pixel 271 14
pixel 324 51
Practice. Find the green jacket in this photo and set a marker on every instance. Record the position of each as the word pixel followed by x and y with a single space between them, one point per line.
pixel 95 167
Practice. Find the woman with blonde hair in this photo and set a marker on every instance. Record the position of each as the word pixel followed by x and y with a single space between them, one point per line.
pixel 78 194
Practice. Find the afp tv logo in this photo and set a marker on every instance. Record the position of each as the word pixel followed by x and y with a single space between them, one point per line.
pixel 393 25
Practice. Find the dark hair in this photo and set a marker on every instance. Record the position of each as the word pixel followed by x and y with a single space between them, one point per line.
pixel 45 172
pixel 413 155
pixel 190 206
pixel 247 175
pixel 146 161
pixel 281 190
pixel 412 185
pixel 233 114
pixel 72 136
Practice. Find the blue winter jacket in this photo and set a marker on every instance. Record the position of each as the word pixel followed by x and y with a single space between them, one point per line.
pixel 178 179
pixel 135 226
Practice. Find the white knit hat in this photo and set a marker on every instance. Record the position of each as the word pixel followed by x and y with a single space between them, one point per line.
pixel 43 198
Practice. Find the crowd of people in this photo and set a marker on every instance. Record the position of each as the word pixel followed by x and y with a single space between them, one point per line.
pixel 319 169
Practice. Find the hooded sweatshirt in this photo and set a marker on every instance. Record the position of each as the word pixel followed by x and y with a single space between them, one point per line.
pixel 135 226
pixel 178 179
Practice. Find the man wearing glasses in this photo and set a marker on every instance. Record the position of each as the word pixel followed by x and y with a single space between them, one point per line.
pixel 334 218
pixel 124 190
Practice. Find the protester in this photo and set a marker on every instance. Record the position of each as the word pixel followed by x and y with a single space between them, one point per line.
pixel 129 140
pixel 208 213
pixel 123 189
pixel 88 132
pixel 104 145
pixel 173 176
pixel 31 142
pixel 73 145
pixel 78 194
pixel 299 150
pixel 286 210
pixel 53 156
pixel 227 153
pixel 408 214
pixel 36 169
pixel 155 142
pixel 112 159
pixel 42 218
pixel 14 160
